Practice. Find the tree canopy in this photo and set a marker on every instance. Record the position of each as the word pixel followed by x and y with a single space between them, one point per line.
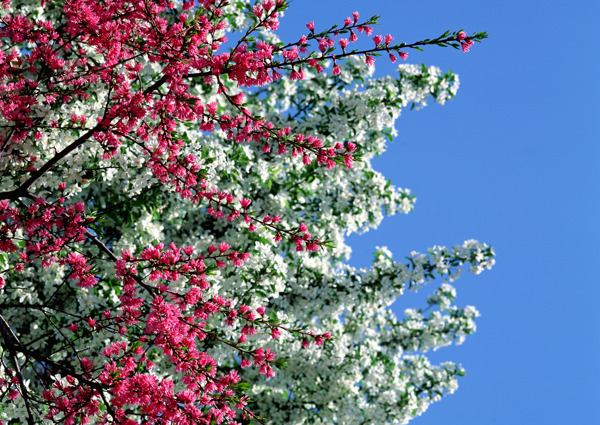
pixel 176 188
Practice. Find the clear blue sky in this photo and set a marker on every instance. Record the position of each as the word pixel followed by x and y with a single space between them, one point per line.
pixel 513 161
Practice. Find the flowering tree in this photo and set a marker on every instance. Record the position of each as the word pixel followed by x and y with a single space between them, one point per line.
pixel 176 186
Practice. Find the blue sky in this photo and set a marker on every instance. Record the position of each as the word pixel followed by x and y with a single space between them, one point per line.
pixel 511 161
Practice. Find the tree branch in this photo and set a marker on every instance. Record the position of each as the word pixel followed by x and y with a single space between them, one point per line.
pixel 10 339
pixel 23 190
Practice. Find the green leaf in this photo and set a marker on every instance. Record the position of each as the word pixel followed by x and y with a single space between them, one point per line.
pixel 280 363
pixel 261 293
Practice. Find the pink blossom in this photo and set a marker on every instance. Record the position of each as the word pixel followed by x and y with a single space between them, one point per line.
pixel 467 45
pixel 87 363
pixel 238 99
pixel 297 75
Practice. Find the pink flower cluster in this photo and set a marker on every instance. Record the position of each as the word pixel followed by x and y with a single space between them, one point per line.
pixel 48 228
pixel 465 42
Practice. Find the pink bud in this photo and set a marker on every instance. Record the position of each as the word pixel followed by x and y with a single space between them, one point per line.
pixel 312 247
pixel 466 45
pixel 238 99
